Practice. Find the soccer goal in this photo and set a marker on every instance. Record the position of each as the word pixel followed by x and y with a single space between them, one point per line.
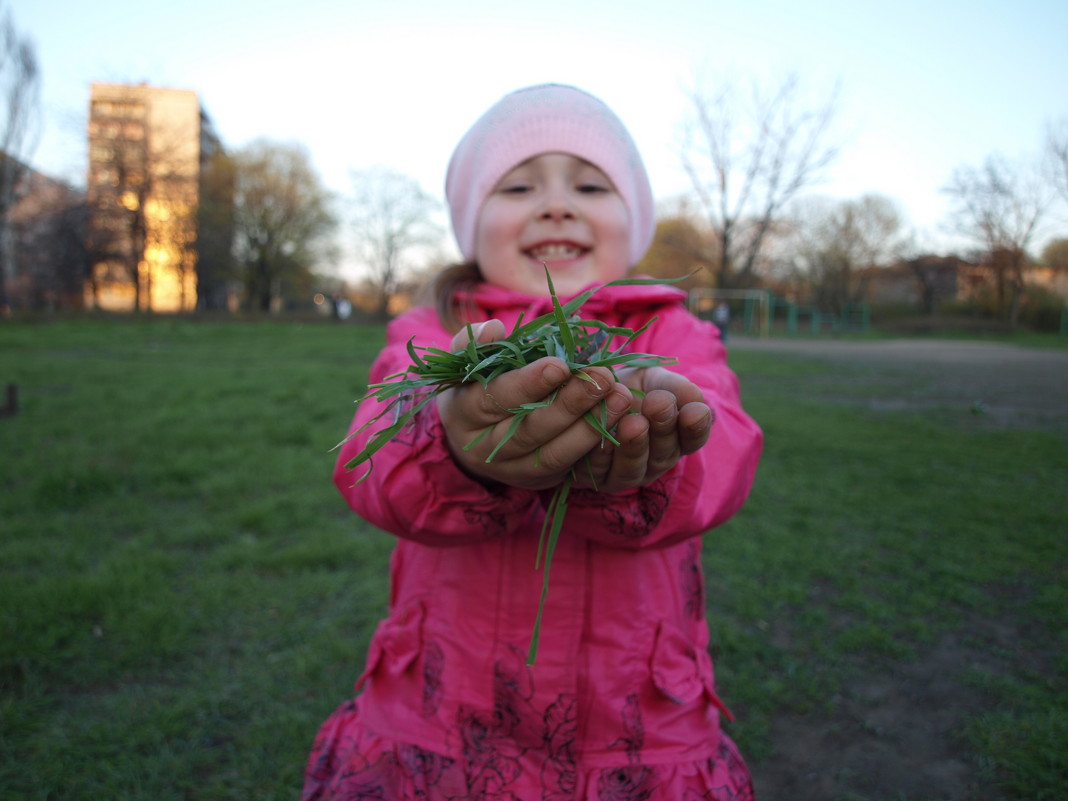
pixel 756 306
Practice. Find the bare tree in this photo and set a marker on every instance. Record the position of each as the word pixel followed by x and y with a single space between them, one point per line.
pixel 839 243
pixel 1057 157
pixel 282 218
pixel 747 160
pixel 392 218
pixel 1000 207
pixel 19 105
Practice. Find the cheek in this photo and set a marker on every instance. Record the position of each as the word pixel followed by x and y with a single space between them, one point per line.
pixel 495 246
pixel 615 235
pixel 496 227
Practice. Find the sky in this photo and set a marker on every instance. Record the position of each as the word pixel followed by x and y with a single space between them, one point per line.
pixel 922 87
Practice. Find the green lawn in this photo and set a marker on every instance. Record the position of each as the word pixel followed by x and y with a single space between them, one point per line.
pixel 184 597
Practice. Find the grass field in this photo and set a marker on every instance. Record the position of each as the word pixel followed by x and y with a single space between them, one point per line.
pixel 184 597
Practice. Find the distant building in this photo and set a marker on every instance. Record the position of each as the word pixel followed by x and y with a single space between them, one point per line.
pixel 43 239
pixel 1050 278
pixel 151 155
pixel 926 281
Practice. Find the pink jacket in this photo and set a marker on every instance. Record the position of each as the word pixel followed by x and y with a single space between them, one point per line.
pixel 623 674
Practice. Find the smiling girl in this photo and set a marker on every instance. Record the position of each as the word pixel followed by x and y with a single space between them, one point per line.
pixel 621 703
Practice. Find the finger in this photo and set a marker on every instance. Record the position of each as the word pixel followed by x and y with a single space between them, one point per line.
pixel 661 410
pixel 489 331
pixel 476 407
pixel 630 457
pixel 593 467
pixel 695 426
pixel 545 464
pixel 547 440
pixel 534 383
pixel 560 431
pixel 659 378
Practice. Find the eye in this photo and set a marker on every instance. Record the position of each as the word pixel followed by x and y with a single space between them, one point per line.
pixel 591 181
pixel 514 189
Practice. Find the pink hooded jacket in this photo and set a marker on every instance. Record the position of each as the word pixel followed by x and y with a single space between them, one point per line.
pixel 623 675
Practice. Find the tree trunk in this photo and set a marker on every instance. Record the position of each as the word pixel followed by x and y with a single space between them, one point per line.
pixel 4 307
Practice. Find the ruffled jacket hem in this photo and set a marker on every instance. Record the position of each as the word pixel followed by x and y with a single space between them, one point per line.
pixel 348 760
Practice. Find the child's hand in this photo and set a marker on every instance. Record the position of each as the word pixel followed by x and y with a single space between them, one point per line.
pixel 550 440
pixel 673 421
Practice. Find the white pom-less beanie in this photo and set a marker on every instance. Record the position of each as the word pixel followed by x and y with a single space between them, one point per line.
pixel 550 118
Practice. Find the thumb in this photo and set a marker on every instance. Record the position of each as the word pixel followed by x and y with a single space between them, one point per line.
pixel 489 331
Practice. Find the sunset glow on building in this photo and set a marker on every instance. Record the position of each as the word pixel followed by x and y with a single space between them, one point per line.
pixel 147 146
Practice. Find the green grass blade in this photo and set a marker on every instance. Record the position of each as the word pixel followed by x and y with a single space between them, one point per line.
pixel 600 424
pixel 566 337
pixel 478 438
pixel 633 360
pixel 558 506
pixel 472 346
pixel 419 364
pixel 516 420
pixel 491 359
pixel 382 437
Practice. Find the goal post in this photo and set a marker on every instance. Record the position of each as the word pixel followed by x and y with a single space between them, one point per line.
pixel 703 301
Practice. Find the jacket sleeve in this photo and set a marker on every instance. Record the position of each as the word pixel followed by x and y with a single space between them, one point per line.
pixel 705 488
pixel 414 489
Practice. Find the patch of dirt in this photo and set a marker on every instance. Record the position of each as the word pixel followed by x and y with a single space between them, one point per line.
pixel 896 732
pixel 1006 385
pixel 892 734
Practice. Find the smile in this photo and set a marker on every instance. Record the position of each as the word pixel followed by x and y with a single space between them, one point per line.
pixel 556 251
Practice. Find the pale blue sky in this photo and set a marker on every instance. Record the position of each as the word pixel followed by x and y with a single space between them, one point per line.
pixel 924 86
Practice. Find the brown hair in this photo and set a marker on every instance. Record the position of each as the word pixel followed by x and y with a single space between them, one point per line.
pixel 449 290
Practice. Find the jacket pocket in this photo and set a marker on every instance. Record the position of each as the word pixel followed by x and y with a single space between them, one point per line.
pixel 682 673
pixel 396 644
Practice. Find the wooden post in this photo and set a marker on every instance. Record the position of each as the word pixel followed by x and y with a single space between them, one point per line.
pixel 11 404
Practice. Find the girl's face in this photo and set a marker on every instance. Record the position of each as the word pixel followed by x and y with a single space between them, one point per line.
pixel 560 210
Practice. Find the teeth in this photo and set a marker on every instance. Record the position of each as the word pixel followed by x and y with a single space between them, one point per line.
pixel 555 251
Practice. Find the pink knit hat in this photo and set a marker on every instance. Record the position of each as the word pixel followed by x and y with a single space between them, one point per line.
pixel 550 118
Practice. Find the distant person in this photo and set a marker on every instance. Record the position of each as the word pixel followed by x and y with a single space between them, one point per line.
pixel 344 308
pixel 621 701
pixel 721 316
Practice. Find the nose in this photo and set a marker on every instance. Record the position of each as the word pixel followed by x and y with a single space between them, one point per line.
pixel 557 205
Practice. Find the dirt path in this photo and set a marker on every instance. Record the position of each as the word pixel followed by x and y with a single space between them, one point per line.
pixel 1016 387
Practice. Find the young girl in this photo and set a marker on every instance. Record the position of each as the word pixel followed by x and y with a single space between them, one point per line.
pixel 620 703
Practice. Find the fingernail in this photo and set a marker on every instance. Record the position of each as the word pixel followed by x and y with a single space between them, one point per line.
pixel 706 423
pixel 669 414
pixel 555 374
pixel 618 402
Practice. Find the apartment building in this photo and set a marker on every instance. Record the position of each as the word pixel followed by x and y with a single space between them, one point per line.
pixel 150 149
pixel 42 242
